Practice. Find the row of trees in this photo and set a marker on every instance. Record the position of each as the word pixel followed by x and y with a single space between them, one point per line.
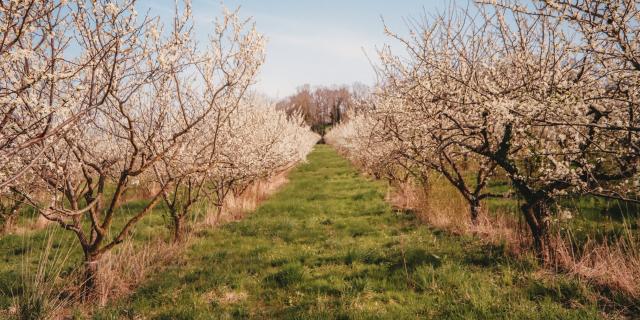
pixel 97 100
pixel 546 92
pixel 323 106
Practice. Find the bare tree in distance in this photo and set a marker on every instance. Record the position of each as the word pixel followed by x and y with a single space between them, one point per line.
pixel 323 107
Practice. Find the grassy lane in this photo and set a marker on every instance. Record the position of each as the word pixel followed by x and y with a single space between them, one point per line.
pixel 327 246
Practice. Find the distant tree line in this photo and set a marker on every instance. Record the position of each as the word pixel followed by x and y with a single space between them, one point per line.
pixel 322 107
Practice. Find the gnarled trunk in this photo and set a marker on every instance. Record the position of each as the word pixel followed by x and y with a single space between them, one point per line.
pixel 474 209
pixel 178 228
pixel 88 290
pixel 537 213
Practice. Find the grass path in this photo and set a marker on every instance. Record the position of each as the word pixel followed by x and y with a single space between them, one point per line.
pixel 327 246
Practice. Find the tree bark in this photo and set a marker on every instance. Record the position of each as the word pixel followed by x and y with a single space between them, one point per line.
pixel 178 232
pixel 90 284
pixel 474 210
pixel 218 213
pixel 537 213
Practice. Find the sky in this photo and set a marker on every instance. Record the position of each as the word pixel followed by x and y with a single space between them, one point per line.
pixel 319 42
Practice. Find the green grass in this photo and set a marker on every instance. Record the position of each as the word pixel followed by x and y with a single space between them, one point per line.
pixel 22 252
pixel 328 246
pixel 592 217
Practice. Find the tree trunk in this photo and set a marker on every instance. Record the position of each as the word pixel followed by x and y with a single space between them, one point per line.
pixel 177 228
pixel 474 210
pixel 90 284
pixel 218 213
pixel 537 213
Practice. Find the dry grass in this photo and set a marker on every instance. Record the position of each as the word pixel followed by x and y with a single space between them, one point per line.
pixel 44 293
pixel 48 294
pixel 612 265
pixel 237 206
pixel 122 270
pixel 443 207
pixel 225 296
pixel 439 206
pixel 126 268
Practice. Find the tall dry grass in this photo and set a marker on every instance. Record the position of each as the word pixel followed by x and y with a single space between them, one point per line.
pixel 44 292
pixel 50 289
pixel 237 206
pixel 442 206
pixel 126 268
pixel 613 265
pixel 123 270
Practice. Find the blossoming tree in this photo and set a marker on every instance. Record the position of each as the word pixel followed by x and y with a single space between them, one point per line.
pixel 511 89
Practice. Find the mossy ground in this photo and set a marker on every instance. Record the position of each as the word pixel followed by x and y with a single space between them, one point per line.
pixel 328 246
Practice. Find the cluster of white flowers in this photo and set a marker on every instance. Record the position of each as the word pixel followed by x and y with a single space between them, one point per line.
pixel 113 101
pixel 239 145
pixel 509 90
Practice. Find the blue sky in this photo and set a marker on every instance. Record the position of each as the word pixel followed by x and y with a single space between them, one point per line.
pixel 315 42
